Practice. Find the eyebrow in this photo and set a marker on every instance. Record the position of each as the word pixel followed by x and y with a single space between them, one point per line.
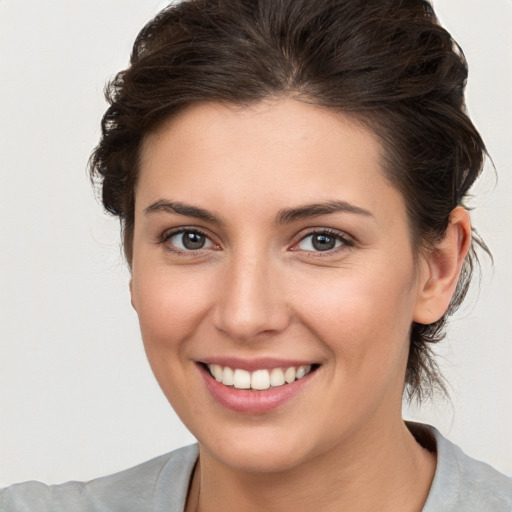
pixel 307 211
pixel 164 205
pixel 285 216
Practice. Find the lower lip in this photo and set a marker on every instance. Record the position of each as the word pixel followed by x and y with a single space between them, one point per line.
pixel 253 402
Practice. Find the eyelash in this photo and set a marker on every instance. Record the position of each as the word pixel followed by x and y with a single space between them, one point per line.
pixel 167 235
pixel 346 242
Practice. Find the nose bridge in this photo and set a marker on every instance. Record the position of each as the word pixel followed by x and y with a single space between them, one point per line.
pixel 250 300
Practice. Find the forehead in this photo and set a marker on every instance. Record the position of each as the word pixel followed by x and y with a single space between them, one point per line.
pixel 262 156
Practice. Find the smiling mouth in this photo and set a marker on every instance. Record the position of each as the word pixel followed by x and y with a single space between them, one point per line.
pixel 258 380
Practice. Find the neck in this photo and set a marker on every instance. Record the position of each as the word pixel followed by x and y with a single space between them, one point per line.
pixel 386 471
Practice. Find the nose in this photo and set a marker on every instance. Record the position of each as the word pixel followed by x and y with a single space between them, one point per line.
pixel 251 300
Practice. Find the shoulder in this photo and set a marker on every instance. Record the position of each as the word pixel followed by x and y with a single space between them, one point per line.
pixel 463 483
pixel 163 480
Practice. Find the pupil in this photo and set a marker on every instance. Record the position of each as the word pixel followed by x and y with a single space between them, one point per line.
pixel 323 242
pixel 193 240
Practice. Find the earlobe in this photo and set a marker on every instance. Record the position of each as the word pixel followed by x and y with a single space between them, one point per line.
pixel 441 269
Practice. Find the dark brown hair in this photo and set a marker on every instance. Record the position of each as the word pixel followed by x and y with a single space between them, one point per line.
pixel 387 62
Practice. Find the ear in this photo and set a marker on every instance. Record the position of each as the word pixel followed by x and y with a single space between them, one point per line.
pixel 131 294
pixel 440 268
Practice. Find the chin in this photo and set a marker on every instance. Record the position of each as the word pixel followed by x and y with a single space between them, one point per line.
pixel 254 459
pixel 258 452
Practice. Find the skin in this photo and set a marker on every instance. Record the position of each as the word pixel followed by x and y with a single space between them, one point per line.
pixel 258 288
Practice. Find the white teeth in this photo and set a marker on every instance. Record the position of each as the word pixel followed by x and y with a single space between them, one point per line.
pixel 217 372
pixel 277 377
pixel 259 379
pixel 228 376
pixel 289 374
pixel 302 371
pixel 242 379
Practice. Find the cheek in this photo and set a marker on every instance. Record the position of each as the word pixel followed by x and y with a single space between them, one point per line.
pixel 170 306
pixel 363 318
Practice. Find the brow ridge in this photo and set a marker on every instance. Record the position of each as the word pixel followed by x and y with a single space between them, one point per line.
pixel 307 211
pixel 165 205
pixel 284 216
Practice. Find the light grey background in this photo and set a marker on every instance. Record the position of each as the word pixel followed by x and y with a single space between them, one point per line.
pixel 77 397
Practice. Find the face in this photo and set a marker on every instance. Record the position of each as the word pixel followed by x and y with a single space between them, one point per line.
pixel 271 251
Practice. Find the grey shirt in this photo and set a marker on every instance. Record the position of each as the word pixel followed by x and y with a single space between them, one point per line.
pixel 161 485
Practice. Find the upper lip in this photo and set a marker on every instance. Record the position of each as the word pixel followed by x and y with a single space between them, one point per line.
pixel 253 364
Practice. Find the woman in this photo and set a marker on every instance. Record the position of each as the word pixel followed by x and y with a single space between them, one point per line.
pixel 290 179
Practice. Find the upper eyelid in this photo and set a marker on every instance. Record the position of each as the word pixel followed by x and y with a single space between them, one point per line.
pixel 303 234
pixel 347 240
pixel 329 231
pixel 165 236
pixel 168 233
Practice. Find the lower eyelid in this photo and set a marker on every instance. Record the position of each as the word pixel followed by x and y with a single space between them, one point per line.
pixel 338 243
pixel 341 241
pixel 166 237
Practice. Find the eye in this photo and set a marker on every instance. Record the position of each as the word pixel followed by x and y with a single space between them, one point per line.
pixel 322 241
pixel 188 240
